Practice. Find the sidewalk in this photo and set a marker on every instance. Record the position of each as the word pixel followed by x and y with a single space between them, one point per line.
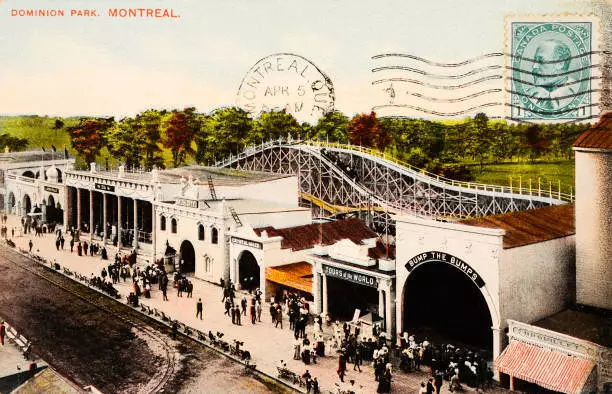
pixel 267 345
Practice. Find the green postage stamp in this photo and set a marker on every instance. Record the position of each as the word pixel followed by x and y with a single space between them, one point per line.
pixel 552 67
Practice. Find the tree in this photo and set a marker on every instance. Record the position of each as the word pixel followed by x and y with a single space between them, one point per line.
pixel 537 144
pixel 150 124
pixel 58 124
pixel 221 133
pixel 181 130
pixel 14 144
pixel 333 126
pixel 124 143
pixel 477 138
pixel 88 137
pixel 273 125
pixel 365 130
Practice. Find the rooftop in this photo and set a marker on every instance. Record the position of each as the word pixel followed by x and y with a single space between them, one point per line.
pixel 584 323
pixel 307 236
pixel 253 206
pixel 599 136
pixel 220 176
pixel 531 226
pixel 31 156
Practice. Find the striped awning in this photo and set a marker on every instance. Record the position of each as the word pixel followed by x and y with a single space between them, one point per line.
pixel 547 368
pixel 295 275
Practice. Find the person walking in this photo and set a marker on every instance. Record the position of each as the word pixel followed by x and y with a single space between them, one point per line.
pixel 164 290
pixel 237 310
pixel 62 241
pixel 253 311
pixel 72 245
pixel 278 317
pixel 341 365
pixel 357 360
pixel 199 308
pixel 2 332
pixel 384 384
pixel 438 377
pixel 30 244
pixel 315 386
pixel 228 305
pixel 259 310
pixel 243 304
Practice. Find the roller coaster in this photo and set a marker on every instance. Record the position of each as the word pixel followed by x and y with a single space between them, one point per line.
pixel 340 179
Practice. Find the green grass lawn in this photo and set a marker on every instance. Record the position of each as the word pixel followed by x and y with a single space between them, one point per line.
pixel 546 171
pixel 38 130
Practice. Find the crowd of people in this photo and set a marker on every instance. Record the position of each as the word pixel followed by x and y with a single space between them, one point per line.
pixel 445 362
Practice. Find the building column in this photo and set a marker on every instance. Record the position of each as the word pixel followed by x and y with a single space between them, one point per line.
pixel 498 344
pixel 104 212
pixel 67 207
pixel 135 243
pixel 154 231
pixel 91 215
pixel 78 223
pixel 325 309
pixel 381 302
pixel 316 290
pixel 119 221
pixel 388 317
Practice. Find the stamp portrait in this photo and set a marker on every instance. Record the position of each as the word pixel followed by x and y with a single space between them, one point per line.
pixel 552 68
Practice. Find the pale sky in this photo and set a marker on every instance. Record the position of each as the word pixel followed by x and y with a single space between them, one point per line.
pixel 117 67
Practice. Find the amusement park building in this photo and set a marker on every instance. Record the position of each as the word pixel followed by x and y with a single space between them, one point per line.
pixel 248 227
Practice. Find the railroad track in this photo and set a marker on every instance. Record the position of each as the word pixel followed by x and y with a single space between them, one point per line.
pixel 148 327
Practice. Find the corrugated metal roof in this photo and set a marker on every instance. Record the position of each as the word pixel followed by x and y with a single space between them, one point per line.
pixel 307 236
pixel 531 226
pixel 599 136
pixel 296 275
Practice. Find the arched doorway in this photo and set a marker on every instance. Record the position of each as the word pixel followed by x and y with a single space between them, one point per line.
pixel 441 302
pixel 27 204
pixel 248 271
pixel 187 257
pixel 28 174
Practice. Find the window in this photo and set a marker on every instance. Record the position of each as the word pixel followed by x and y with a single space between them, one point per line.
pixel 173 224
pixel 207 264
pixel 214 236
pixel 201 232
pixel 162 223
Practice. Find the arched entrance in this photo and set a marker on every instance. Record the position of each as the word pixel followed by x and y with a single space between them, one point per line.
pixel 187 257
pixel 248 271
pixel 441 302
pixel 28 174
pixel 27 204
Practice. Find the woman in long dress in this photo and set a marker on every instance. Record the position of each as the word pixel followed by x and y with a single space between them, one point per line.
pixel 384 384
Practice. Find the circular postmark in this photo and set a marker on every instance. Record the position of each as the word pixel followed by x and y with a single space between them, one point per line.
pixel 551 70
pixel 285 81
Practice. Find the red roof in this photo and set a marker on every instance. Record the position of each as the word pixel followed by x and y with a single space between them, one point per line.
pixel 599 136
pixel 382 251
pixel 307 236
pixel 547 368
pixel 530 226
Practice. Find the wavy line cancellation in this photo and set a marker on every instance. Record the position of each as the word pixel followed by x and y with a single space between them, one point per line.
pixel 474 82
pixel 482 57
pixel 580 119
pixel 483 69
pixel 486 105
pixel 490 91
